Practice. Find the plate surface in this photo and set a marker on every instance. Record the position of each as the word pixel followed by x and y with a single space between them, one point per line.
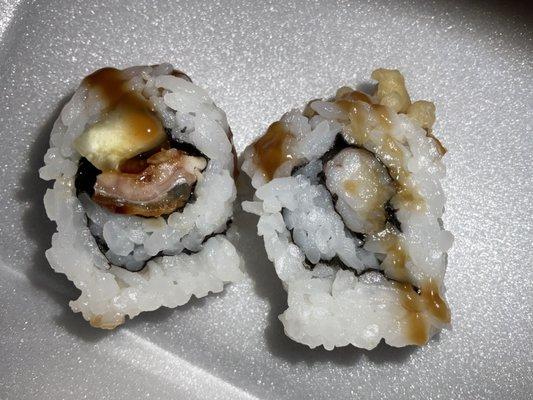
pixel 259 59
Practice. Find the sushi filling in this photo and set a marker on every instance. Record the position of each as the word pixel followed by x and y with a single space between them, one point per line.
pixel 149 186
pixel 131 166
pixel 356 189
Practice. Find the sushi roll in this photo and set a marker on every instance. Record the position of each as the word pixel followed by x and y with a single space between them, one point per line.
pixel 142 164
pixel 350 203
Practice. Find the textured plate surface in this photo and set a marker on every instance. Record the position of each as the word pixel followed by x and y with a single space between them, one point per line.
pixel 259 59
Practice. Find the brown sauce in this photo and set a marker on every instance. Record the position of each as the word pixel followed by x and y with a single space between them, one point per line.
pixel 308 111
pixel 418 332
pixel 347 106
pixel 96 322
pixel 359 108
pixel 418 305
pixel 382 115
pixel 435 304
pixel 134 165
pixel 395 262
pixel 356 106
pixel 270 151
pixel 397 257
pixel 417 329
pixel 110 84
pixel 139 163
pixel 358 114
pixel 357 96
pixel 392 155
pixel 351 187
pixel 409 198
pixel 429 301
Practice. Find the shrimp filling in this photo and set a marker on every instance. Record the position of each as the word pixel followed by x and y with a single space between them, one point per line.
pixel 129 165
pixel 163 186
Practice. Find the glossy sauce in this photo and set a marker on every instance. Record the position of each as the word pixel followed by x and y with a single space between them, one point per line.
pixel 110 84
pixel 397 256
pixel 96 322
pixel 270 152
pixel 357 96
pixel 393 156
pixel 418 306
pixel 350 186
pixel 358 114
pixel 381 113
pixel 440 147
pixel 417 329
pixel 395 262
pixel 435 304
pixel 359 109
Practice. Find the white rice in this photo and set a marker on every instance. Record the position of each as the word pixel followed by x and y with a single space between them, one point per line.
pixel 328 305
pixel 111 293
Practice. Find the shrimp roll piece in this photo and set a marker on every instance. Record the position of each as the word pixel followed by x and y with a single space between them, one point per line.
pixel 349 197
pixel 142 164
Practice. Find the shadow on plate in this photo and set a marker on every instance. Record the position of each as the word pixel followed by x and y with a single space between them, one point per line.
pixel 267 285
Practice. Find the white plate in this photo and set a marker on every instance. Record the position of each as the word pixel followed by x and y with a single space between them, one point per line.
pixel 258 60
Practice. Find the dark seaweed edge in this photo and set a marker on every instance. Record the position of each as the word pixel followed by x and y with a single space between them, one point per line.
pixel 102 246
